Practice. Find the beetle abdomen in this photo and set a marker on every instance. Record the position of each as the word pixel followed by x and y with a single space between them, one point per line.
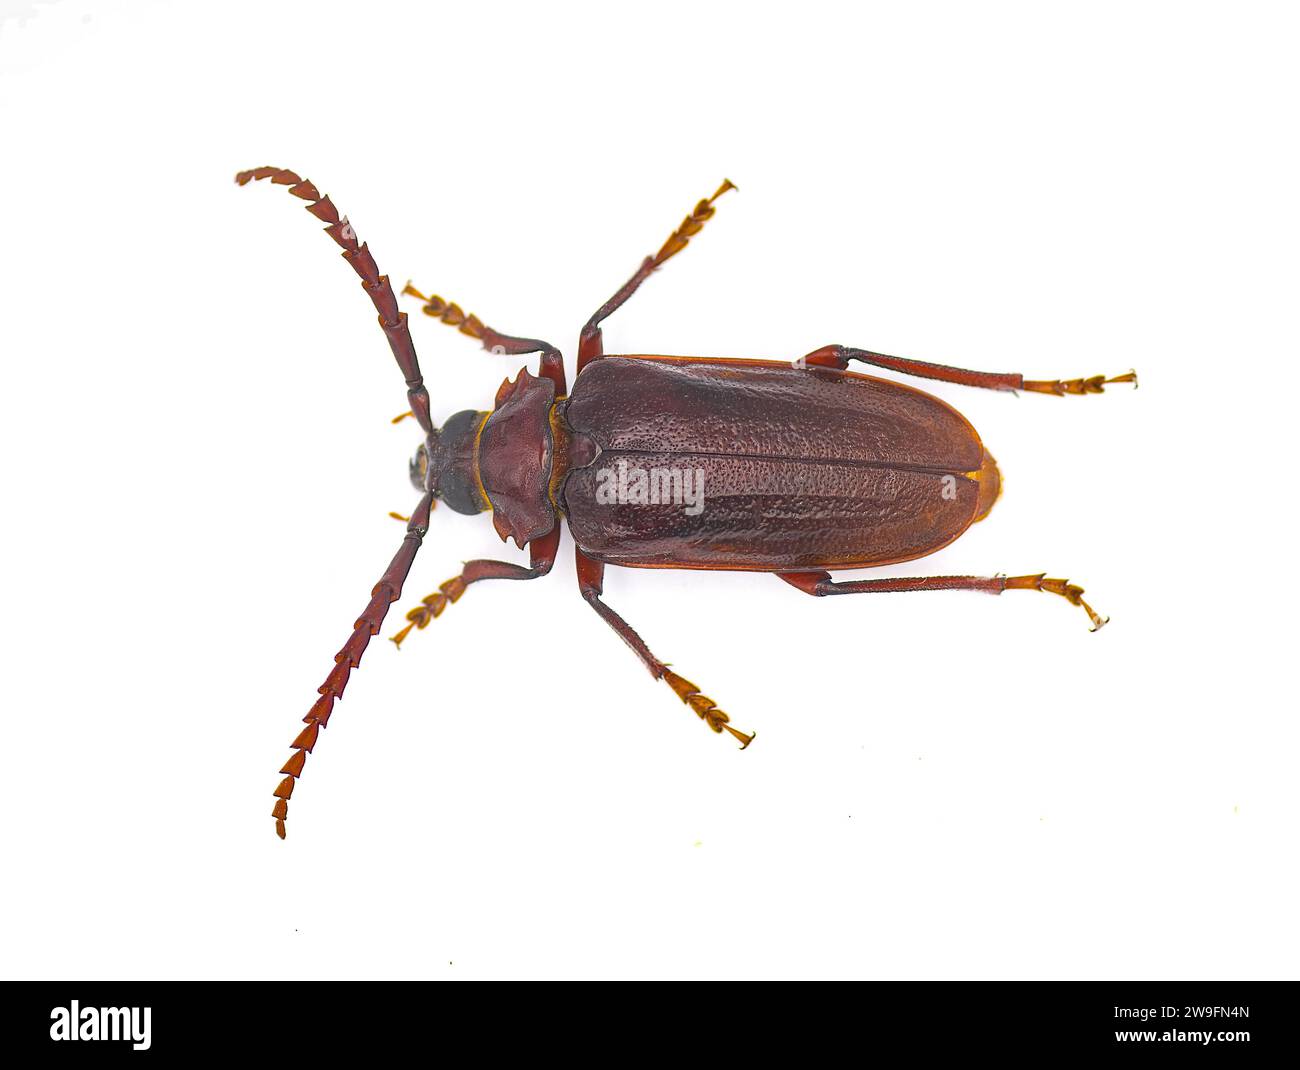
pixel 752 465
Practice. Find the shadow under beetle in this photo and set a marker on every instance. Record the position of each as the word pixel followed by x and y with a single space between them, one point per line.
pixel 681 462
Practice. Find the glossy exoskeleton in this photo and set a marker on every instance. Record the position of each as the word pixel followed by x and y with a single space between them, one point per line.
pixel 793 468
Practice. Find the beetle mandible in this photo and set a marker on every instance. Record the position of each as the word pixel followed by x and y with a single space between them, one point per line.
pixel 792 468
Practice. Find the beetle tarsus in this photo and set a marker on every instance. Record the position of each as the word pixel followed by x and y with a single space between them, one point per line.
pixel 745 738
pixel 448 312
pixel 430 606
pixel 1071 592
pixel 691 225
pixel 1094 385
pixel 705 708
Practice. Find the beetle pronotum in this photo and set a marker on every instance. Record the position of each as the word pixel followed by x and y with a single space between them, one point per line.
pixel 808 467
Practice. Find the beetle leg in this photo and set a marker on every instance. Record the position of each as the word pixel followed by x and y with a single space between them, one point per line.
pixel 453 315
pixel 382 595
pixel 839 357
pixel 542 554
pixel 590 344
pixel 820 584
pixel 591 581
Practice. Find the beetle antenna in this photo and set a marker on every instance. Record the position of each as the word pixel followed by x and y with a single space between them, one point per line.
pixel 382 595
pixel 391 321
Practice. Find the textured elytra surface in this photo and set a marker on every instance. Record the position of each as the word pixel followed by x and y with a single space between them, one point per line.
pixel 802 468
pixel 767 410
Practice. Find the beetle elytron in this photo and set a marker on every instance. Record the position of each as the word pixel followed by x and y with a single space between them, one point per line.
pixel 789 468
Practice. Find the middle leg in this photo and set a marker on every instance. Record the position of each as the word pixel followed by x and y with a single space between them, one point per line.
pixel 541 557
pixel 591 346
pixel 591 581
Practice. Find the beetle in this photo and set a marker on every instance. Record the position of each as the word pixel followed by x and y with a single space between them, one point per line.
pixel 793 468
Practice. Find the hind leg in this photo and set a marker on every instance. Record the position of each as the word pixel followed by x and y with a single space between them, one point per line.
pixel 820 584
pixel 839 357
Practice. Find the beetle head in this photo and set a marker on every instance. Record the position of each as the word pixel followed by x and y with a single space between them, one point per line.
pixel 444 463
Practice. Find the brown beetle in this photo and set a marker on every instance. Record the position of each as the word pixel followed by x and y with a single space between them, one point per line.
pixel 681 462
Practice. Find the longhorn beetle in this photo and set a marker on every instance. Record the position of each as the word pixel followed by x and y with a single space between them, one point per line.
pixel 805 466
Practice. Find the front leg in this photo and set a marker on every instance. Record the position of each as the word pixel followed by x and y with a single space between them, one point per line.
pixel 839 357
pixel 541 557
pixel 450 313
pixel 591 582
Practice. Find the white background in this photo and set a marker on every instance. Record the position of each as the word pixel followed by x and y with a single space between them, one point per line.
pixel 198 464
